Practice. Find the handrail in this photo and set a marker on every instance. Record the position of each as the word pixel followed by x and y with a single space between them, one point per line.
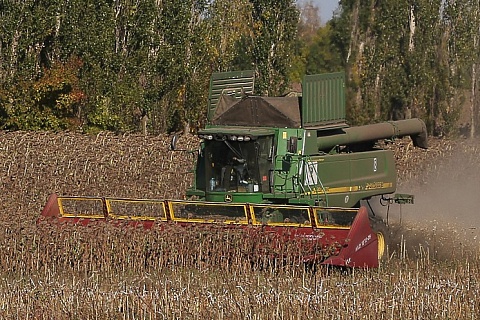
pixel 313 172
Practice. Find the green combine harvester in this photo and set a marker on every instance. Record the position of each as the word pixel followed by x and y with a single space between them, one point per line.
pixel 293 150
pixel 288 166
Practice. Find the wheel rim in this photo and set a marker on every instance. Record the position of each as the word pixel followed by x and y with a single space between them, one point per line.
pixel 381 245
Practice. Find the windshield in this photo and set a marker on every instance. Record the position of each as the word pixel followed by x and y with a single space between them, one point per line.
pixel 241 166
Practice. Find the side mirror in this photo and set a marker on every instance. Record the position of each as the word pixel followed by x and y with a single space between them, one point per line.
pixel 173 143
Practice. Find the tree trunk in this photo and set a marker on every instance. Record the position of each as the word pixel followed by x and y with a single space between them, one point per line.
pixel 472 101
pixel 412 29
pixel 353 33
pixel 143 121
pixel 186 128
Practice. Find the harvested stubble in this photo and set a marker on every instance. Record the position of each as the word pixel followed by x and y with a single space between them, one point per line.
pixel 103 272
pixel 106 272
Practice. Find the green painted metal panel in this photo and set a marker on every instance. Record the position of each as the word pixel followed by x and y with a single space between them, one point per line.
pixel 310 143
pixel 235 197
pixel 357 175
pixel 235 83
pixel 323 100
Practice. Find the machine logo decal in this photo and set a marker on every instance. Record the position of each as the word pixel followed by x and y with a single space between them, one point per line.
pixel 363 243
pixel 378 185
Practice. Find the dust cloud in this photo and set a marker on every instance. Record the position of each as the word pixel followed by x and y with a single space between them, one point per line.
pixel 445 219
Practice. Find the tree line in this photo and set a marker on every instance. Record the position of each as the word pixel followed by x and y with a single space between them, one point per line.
pixel 412 58
pixel 131 65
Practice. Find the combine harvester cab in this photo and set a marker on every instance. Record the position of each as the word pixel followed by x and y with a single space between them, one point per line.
pixel 331 236
pixel 290 154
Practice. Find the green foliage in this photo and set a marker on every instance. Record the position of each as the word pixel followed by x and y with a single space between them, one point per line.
pixel 323 56
pixel 274 30
pixel 407 59
pixel 49 103
pixel 314 49
pixel 102 118
pixel 103 65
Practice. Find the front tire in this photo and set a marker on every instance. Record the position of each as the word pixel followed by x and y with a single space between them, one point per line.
pixel 383 233
pixel 381 245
